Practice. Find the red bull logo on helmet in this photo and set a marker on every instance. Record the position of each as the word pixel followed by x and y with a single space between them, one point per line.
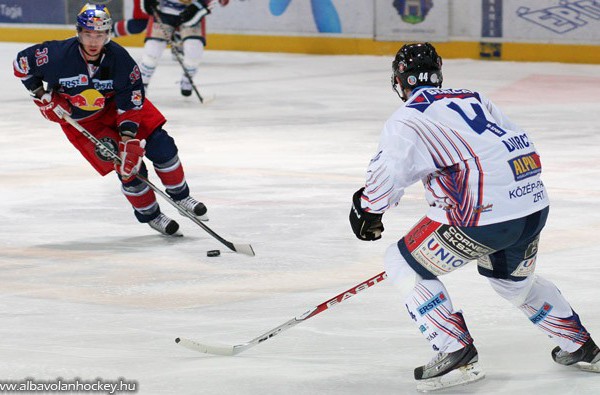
pixel 88 100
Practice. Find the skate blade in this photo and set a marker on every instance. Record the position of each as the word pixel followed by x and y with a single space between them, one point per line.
pixel 589 367
pixel 203 218
pixel 464 375
pixel 174 235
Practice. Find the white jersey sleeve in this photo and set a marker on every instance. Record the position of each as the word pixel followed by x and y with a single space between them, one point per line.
pixel 476 165
pixel 387 174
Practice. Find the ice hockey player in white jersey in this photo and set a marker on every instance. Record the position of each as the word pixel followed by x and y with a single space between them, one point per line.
pixel 167 16
pixel 487 202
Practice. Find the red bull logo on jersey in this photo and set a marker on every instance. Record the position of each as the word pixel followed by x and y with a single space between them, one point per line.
pixel 88 100
pixel 432 303
pixel 72 82
pixel 136 97
pixel 23 65
pixel 525 166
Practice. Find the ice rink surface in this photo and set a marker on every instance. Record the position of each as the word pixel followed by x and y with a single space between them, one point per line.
pixel 87 292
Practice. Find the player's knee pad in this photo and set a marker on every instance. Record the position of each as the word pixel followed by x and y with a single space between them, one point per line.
pixel 399 272
pixel 515 292
pixel 193 49
pixel 153 49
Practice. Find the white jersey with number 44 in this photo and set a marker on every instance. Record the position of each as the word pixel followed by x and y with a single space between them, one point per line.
pixel 477 166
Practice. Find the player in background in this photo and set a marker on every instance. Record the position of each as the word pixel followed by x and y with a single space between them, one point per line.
pixel 187 17
pixel 97 82
pixel 481 174
pixel 136 21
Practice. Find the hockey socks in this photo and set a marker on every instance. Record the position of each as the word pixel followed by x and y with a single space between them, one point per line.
pixel 548 310
pixel 431 309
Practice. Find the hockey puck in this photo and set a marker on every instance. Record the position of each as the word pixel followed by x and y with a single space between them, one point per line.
pixel 213 253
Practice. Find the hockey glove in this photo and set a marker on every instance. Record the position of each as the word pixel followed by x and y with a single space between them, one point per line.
pixel 53 106
pixel 150 6
pixel 366 226
pixel 131 153
pixel 193 13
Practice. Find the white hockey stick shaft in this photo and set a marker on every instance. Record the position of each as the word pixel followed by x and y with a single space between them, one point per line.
pixel 245 249
pixel 236 349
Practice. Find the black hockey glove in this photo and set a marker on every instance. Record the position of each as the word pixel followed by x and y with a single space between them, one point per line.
pixel 366 226
pixel 150 6
pixel 193 13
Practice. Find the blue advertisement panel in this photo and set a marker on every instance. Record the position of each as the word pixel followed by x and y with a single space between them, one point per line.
pixel 33 11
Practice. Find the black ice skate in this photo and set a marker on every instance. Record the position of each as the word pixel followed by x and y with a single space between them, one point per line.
pixel 586 358
pixel 449 369
pixel 186 87
pixel 165 225
pixel 194 207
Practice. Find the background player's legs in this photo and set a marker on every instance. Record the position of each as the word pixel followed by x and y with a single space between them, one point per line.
pixel 153 49
pixel 194 42
pixel 193 49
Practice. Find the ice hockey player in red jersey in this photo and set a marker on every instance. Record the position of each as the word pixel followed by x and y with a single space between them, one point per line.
pixel 98 83
pixel 487 202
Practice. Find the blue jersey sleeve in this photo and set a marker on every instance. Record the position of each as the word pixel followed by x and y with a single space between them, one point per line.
pixel 129 91
pixel 32 63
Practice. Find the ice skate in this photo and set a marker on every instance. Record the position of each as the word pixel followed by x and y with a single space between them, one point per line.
pixel 449 370
pixel 186 87
pixel 194 207
pixel 586 358
pixel 165 226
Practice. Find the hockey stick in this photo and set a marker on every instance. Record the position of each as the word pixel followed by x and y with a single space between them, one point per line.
pixel 238 348
pixel 245 249
pixel 176 54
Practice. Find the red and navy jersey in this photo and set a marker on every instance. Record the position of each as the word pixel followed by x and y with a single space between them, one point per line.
pixel 88 87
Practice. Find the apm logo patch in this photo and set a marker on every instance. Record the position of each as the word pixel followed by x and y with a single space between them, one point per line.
pixel 525 166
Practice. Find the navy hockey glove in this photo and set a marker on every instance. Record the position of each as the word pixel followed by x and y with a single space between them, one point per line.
pixel 52 106
pixel 366 226
pixel 131 153
pixel 193 13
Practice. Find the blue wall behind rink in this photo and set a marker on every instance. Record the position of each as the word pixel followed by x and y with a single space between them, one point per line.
pixel 33 11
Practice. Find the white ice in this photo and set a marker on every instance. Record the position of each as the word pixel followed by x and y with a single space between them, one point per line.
pixel 88 292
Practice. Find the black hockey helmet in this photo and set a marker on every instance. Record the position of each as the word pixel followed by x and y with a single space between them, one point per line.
pixel 416 65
